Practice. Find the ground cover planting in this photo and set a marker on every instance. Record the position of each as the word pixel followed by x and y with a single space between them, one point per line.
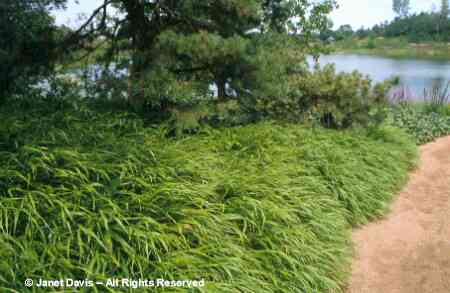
pixel 259 208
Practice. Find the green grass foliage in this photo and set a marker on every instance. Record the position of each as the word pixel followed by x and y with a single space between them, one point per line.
pixel 259 208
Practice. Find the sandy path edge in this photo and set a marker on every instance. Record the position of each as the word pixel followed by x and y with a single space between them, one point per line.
pixel 409 250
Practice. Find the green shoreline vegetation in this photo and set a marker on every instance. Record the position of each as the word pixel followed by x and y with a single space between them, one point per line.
pixel 420 35
pixel 392 48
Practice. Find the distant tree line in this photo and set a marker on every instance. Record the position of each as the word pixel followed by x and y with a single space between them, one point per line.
pixel 420 27
pixel 416 28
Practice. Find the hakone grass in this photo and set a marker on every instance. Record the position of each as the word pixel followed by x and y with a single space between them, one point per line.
pixel 260 208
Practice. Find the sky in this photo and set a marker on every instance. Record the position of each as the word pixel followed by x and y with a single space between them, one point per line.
pixel 357 13
pixel 70 16
pixel 367 13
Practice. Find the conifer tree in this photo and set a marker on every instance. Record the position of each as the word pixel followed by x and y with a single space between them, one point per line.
pixel 27 41
pixel 179 48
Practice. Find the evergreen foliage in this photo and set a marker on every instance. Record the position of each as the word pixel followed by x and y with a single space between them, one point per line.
pixel 28 37
pixel 338 100
pixel 177 49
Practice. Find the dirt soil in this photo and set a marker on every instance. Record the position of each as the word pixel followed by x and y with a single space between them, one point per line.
pixel 409 250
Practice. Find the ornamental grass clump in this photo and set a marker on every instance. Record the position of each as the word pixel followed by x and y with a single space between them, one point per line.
pixel 260 208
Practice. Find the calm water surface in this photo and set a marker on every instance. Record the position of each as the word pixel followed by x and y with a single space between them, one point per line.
pixel 415 75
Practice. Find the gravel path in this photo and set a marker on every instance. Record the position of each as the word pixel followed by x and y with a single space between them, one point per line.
pixel 409 250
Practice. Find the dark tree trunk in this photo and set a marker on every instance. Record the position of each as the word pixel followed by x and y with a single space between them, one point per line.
pixel 5 87
pixel 221 90
pixel 142 39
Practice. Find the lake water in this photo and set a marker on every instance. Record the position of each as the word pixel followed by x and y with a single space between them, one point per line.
pixel 415 75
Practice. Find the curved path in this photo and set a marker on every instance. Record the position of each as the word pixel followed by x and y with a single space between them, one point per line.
pixel 409 250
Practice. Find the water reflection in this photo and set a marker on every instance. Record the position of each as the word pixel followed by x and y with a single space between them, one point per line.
pixel 415 75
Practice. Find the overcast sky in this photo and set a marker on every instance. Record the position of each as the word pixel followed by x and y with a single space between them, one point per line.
pixel 357 13
pixel 367 13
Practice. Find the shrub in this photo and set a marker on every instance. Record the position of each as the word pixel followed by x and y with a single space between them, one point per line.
pixel 340 100
pixel 371 44
pixel 424 125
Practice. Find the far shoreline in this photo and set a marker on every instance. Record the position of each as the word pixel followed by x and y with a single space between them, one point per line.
pixel 393 48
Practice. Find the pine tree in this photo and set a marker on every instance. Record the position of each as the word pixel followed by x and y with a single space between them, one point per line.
pixel 27 39
pixel 179 48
